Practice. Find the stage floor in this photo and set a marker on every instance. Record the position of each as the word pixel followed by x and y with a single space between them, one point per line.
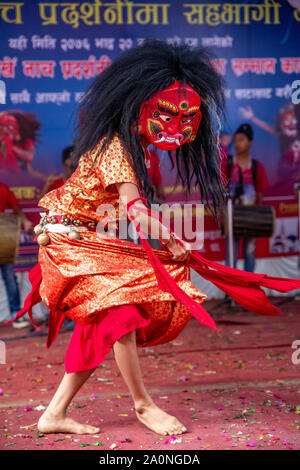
pixel 236 389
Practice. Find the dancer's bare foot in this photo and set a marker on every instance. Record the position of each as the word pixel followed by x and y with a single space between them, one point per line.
pixel 49 423
pixel 157 420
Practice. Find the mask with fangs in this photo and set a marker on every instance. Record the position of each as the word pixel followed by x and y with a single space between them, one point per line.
pixel 169 119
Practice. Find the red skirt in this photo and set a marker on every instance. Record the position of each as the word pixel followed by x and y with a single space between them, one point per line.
pixel 91 343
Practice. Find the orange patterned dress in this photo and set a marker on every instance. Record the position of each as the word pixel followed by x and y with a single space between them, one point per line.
pixel 88 279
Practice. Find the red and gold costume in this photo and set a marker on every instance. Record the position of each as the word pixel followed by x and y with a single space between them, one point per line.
pixel 111 279
pixel 84 278
pixel 110 286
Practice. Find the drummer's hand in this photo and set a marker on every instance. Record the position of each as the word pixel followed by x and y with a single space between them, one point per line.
pixel 247 113
pixel 180 253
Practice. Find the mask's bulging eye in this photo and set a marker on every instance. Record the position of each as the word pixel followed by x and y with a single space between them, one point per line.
pixel 186 121
pixel 165 118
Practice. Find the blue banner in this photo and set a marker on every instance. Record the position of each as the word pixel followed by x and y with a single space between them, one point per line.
pixel 51 50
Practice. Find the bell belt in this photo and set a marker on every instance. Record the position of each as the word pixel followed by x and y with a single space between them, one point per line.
pixel 52 222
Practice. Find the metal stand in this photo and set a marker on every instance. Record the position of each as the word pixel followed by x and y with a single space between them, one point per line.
pixel 230 237
pixel 230 231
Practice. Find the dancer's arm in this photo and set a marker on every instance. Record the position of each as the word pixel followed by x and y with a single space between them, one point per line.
pixel 151 225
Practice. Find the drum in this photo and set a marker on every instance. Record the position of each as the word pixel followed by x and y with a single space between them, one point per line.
pixel 9 237
pixel 252 221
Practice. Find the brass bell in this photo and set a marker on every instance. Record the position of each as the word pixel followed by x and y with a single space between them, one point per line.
pixel 74 235
pixel 77 222
pixel 65 220
pixel 38 229
pixel 43 239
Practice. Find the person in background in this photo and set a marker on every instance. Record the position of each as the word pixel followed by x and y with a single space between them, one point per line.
pixel 54 181
pixel 225 141
pixel 8 200
pixel 246 180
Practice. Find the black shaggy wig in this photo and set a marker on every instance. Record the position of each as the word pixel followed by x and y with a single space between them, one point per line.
pixel 113 100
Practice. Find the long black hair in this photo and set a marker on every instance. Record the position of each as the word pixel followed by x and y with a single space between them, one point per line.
pixel 113 100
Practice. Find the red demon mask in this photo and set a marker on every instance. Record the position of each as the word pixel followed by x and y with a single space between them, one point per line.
pixel 169 119
pixel 9 126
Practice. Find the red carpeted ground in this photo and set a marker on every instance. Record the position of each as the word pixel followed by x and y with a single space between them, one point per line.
pixel 236 389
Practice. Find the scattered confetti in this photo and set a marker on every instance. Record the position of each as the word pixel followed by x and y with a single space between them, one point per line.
pixel 173 440
pixel 40 408
pixel 97 443
pixel 211 406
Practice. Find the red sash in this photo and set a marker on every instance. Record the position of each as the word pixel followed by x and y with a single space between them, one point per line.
pixel 244 287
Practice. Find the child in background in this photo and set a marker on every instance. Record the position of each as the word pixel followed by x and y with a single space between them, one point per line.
pixel 54 181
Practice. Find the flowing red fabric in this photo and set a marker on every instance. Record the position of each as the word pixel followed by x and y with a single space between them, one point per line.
pixel 165 281
pixel 91 343
pixel 55 319
pixel 33 298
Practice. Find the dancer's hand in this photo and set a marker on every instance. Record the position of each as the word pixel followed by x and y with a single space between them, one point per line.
pixel 180 253
pixel 148 224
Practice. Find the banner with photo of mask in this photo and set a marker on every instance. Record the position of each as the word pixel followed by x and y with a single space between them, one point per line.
pixel 51 51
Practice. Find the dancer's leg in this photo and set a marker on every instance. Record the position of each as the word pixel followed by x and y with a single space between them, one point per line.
pixel 148 413
pixel 54 418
